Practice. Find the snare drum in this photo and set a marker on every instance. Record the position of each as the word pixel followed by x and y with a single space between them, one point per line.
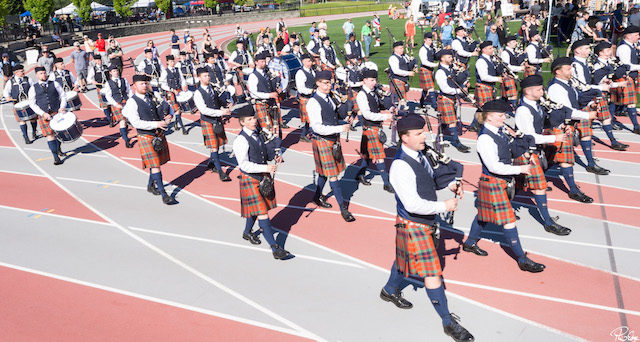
pixel 341 74
pixel 191 81
pixel 23 111
pixel 228 77
pixel 155 84
pixel 370 65
pixel 185 101
pixel 66 127
pixel 73 101
pixel 247 71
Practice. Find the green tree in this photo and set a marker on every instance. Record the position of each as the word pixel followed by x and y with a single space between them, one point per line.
pixel 211 4
pixel 123 7
pixel 83 7
pixel 4 11
pixel 15 7
pixel 163 5
pixel 240 2
pixel 40 9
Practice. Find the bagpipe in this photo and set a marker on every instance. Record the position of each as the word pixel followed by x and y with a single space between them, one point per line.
pixel 586 93
pixel 547 50
pixel 464 91
pixel 503 68
pixel 559 114
pixel 461 73
pixel 613 71
pixel 391 37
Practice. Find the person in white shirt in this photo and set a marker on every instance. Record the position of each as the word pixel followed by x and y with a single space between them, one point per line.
pixel 16 90
pixel 305 84
pixel 428 65
pixel 150 66
pixel 534 55
pixel 464 51
pixel 510 59
pixel 264 89
pixel 172 83
pixel 628 55
pixel 328 56
pixel 66 79
pixel 354 47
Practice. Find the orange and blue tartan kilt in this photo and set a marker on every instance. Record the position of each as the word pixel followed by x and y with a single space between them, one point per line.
pixel 302 105
pixel 326 165
pixel 333 71
pixel 352 98
pixel 426 79
pixel 447 110
pixel 493 204
pixel 584 127
pixel 530 70
pixel 211 140
pixel 171 99
pixel 265 121
pixel 625 95
pixel 415 251
pixel 509 89
pixel 116 114
pixel 561 152
pixel 252 203
pixel 44 126
pixel 484 93
pixel 402 87
pixel 151 158
pixel 370 144
pixel 536 180
pixel 102 104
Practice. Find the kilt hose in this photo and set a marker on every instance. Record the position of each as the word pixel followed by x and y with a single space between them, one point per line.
pixel 116 114
pixel 623 96
pixel 326 165
pixel 171 99
pixel 151 158
pixel 211 140
pixel 370 145
pixel 493 204
pixel 530 70
pixel 302 105
pixel 536 180
pixel 484 93
pixel 509 89
pixel 447 110
pixel 402 87
pixel 415 251
pixel 44 125
pixel 252 203
pixel 561 152
pixel 426 79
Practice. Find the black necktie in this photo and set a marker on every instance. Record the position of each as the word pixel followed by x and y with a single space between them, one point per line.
pixel 501 134
pixel 210 91
pixel 425 164
pixel 147 100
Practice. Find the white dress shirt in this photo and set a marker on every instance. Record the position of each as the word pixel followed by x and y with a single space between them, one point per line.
pixel 323 58
pixel 483 70
pixel 506 58
pixel 315 117
pixel 7 88
pixel 488 151
pixel 301 78
pixel 163 78
pixel 130 111
pixel 312 45
pixel 32 98
pixel 198 100
pixel 247 55
pixel 403 180
pixel 456 45
pixel 558 94
pixel 363 104
pixel 524 122
pixel 347 49
pixel 91 76
pixel 394 64
pixel 241 151
pixel 108 92
pixel 624 54
pixel 531 53
pixel 578 72
pixel 144 63
pixel 252 85
pixel 423 58
pixel 441 80
pixel 52 77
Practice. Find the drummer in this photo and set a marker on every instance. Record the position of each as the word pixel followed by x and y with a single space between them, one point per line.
pixel 150 66
pixel 63 76
pixel 99 75
pixel 296 50
pixel 17 90
pixel 240 58
pixel 47 98
pixel 188 70
pixel 117 93
pixel 172 81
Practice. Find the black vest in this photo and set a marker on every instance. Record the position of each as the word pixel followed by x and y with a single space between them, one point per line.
pixel 7 69
pixel 374 107
pixel 504 154
pixel 212 73
pixel 355 76
pixel 49 100
pixel 450 83
pixel 152 68
pixel 426 188
pixel 329 115
pixel 219 70
pixel 257 149
pixel 186 68
pixel 329 55
pixel 603 70
pixel 634 58
pixel 430 56
pixel 356 48
pixel 118 91
pixel 18 89
pixel 241 57
pixel 264 85
pixel 573 94
pixel 212 102
pixel 64 79
pixel 100 74
pixel 538 120
pixel 491 68
pixel 310 80
pixel 513 59
pixel 586 71
pixel 173 78
pixel 147 113
pixel 465 46
pixel 403 65
pixel 316 46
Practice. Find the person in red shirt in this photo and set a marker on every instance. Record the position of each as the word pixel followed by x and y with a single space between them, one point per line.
pixel 101 46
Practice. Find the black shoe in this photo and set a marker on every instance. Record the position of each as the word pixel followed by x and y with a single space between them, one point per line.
pixel 128 144
pixel 457 331
pixel 362 179
pixel 57 161
pixel 598 170
pixel 251 237
pixel 395 298
pixel 153 189
pixel 305 139
pixel 211 166
pixel 619 147
pixel 184 131
pixel 35 136
pixel 580 197
pixel 346 215
pixel 284 126
pixel 166 199
pixel 280 253
pixel 112 124
pixel 353 129
pixel 549 188
pixel 529 265
pixel 474 249
pixel 463 148
pixel 557 229
pixel 636 130
pixel 223 176
pixel 388 188
pixel 320 201
pixel 61 154
pixel 473 129
pixel 27 141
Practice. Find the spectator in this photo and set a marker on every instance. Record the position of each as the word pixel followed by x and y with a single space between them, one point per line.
pixel 376 27
pixel 535 9
pixel 45 60
pixel 191 49
pixel 488 23
pixel 312 28
pixel 239 31
pixel 600 35
pixel 186 35
pixel 501 31
pixel 280 25
pixel 89 45
pixel 154 50
pixel 323 28
pixel 175 44
pixel 80 60
pixel 347 28
pixel 634 18
pixel 446 32
pixel 112 38
pixel 115 55
pixel 101 45
pixel 390 11
pixel 365 36
pixel 410 31
pixel 207 45
pixel 481 8
pixel 493 37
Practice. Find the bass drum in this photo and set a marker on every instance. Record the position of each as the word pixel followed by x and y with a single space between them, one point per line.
pixel 286 66
pixel 341 74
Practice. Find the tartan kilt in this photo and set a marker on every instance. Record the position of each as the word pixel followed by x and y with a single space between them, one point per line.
pixel 602 109
pixel 536 180
pixel 509 89
pixel 415 250
pixel 625 95
pixel 326 165
pixel 171 99
pixel 370 144
pixel 426 79
pixel 352 98
pixel 302 105
pixel 211 140
pixel 116 114
pixel 447 110
pixel 530 70
pixel 584 126
pixel 562 152
pixel 484 93
pixel 493 204
pixel 252 203
pixel 333 71
pixel 151 158
pixel 102 104
pixel 265 121
pixel 403 87
pixel 44 126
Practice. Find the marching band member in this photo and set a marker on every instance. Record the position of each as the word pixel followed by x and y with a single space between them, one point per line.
pixel 401 69
pixel 371 146
pixel 267 46
pixel 98 75
pixel 354 47
pixel 496 153
pixel 603 68
pixel 210 65
pixel 487 74
pixel 329 57
pixel 530 119
pixel 188 70
pixel 288 48
pixel 211 108
pixel 47 98
pixel 266 92
pixel 324 114
pixel 246 42
pixel 150 66
pixel 628 53
pixel 314 47
pixel 305 85
pixel 415 182
pixel 252 154
pixel 584 74
pixel 428 65
pixel 150 117
pixel 63 76
pixel 447 98
pixel 117 93
pixel 463 50
pixel 534 55
pixel 172 82
pixel 16 90
pixel 240 58
pixel 510 59
pixel 295 50
pixel 354 81
pixel 561 92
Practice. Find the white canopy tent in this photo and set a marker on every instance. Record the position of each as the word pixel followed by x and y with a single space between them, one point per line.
pixel 143 4
pixel 69 9
pixel 100 7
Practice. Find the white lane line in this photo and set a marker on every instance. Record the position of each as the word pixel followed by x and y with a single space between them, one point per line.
pixel 102 183
pixel 229 244
pixel 23 173
pixel 69 153
pixel 12 147
pixel 44 213
pixel 153 299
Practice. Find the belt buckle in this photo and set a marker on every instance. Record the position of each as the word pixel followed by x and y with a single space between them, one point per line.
pixel 400 225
